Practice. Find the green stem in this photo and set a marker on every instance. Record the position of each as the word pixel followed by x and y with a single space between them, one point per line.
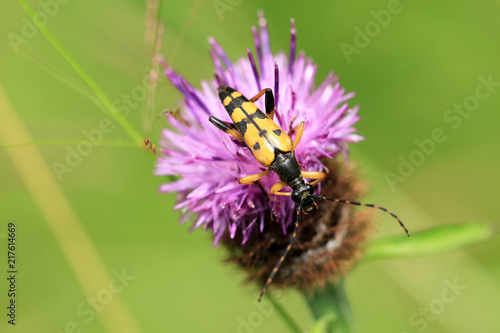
pixel 332 302
pixel 110 143
pixel 110 109
pixel 292 325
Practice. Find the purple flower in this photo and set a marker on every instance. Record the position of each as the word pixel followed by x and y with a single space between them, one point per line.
pixel 209 162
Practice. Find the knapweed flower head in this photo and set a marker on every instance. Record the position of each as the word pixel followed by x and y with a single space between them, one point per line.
pixel 253 224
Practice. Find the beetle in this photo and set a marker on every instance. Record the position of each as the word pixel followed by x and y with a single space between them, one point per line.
pixel 275 150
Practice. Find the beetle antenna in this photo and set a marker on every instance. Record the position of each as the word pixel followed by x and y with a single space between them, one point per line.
pixel 366 205
pixel 277 267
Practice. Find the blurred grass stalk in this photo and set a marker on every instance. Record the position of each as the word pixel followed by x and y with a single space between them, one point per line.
pixel 109 108
pixel 61 219
pixel 55 208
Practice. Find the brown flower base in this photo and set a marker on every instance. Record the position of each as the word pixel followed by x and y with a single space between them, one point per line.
pixel 328 244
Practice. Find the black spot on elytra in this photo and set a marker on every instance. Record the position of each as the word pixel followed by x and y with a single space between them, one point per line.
pixel 258 114
pixel 224 91
pixel 242 126
pixel 277 132
pixel 256 146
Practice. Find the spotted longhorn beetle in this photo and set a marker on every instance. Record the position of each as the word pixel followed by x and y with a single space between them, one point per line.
pixel 274 149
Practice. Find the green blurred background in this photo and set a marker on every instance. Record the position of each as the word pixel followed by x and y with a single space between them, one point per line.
pixel 426 59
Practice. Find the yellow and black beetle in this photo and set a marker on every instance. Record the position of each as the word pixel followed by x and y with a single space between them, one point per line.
pixel 274 149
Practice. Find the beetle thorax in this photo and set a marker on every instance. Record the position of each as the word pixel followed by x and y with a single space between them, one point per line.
pixel 287 168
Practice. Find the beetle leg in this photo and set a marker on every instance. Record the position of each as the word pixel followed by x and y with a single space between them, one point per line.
pixel 252 179
pixel 229 128
pixel 277 187
pixel 298 136
pixel 272 215
pixel 291 129
pixel 270 109
pixel 318 175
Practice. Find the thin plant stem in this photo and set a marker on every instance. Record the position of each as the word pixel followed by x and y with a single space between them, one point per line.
pixel 187 24
pixel 332 301
pixel 109 143
pixel 51 70
pixel 292 325
pixel 110 109
pixel 154 37
pixel 46 191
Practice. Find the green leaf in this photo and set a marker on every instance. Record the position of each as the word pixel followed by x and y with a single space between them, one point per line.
pixel 431 241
